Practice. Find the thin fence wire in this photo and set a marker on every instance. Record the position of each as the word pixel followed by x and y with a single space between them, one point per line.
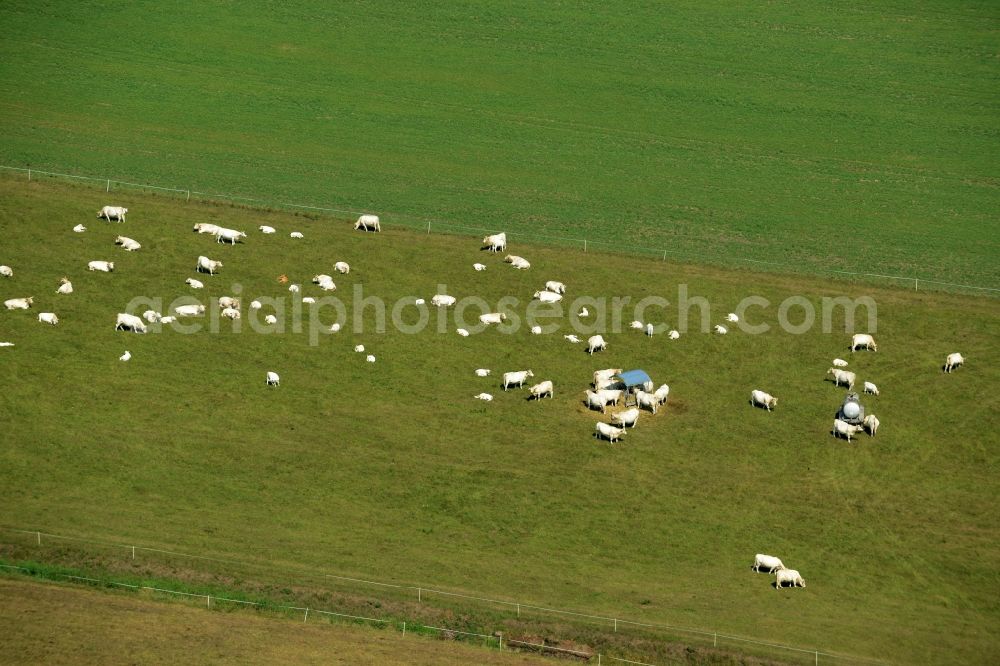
pixel 420 222
pixel 423 590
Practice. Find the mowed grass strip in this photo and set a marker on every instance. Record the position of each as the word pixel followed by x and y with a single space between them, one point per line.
pixel 852 138
pixel 392 471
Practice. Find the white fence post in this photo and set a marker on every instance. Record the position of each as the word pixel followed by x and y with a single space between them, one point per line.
pixel 109 186
pixel 715 639
pixel 189 195
pixel 208 600
pixel 915 281
pixel 616 625
pixel 39 538
pixel 404 628
pixel 29 174
pixel 133 552
pixel 664 255
pixel 519 610
pixel 817 657
pixel 419 595
pixel 428 227
pixel 584 244
pixel 306 618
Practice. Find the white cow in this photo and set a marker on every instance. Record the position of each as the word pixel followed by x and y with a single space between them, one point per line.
pixel 272 379
pixel 151 316
pixel 270 319
pixel 482 372
pixel 169 319
pixel 584 312
pixel 518 377
pixel 126 356
pixel 325 282
pixel 230 313
pixel 189 310
pixel 547 296
pixel 649 330
pixel 264 229
pixel 461 331
pixel 342 267
pixel 863 340
pixel 483 396
pixel 871 388
pixel 492 318
pixel 769 562
pixel 229 302
pixel 572 338
pixel 845 429
pixel 479 267
pixel 541 390
pixel 308 300
pixel 953 361
pixel 109 213
pixel 609 432
pixel 662 393
pixel 79 228
pixel 206 265
pixel 596 401
pixel 370 358
pixel 418 301
pixel 637 325
pixel 442 300
pixel 127 322
pixel 517 262
pixel 762 399
pixel 557 287
pixel 732 318
pixel 128 244
pixel 626 419
pixel 65 286
pixel 6 271
pixel 839 363
pixel 596 343
pixel 195 284
pixel 536 330
pixel 496 242
pixel 610 396
pixel 720 329
pixel 790 576
pixel 296 234
pixel 18 303
pixel 673 335
pixel 48 318
pixel 334 327
pixel 646 400
pixel 601 376
pixel 871 424
pixel 368 222
pixel 206 228
pixel 255 305
pixel 231 236
pixel 359 349
pixel 843 377
pixel 102 266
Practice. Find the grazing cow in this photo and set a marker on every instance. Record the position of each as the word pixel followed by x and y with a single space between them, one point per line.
pixel 649 330
pixel 342 267
pixel 790 576
pixel 863 340
pixel 65 286
pixel 601 376
pixel 102 266
pixel 127 322
pixel 610 396
pixel 368 223
pixel 206 265
pixel 206 228
pixel 541 390
pixel 871 388
pixel 6 271
pixel 547 296
pixel 953 361
pixel 48 318
pixel 609 432
pixel 272 379
pixel 557 287
pixel 518 377
pixel 843 377
pixel 768 562
pixel 662 393
pixel 845 429
pixel 762 399
pixel 18 303
pixel 116 213
pixel 127 243
pixel 596 401
pixel 626 419
pixel 495 243
pixel 264 229
pixel 231 236
pixel 871 424
pixel 596 343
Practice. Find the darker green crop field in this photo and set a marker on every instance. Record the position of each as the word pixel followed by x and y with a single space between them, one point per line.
pixel 820 137
pixel 393 471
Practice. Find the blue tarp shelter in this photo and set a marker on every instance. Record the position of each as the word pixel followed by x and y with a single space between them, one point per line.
pixel 634 379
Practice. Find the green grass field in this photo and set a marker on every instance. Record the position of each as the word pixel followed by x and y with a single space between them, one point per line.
pixel 391 471
pixel 820 137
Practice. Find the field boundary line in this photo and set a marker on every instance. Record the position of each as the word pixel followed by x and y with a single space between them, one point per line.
pixel 401 219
